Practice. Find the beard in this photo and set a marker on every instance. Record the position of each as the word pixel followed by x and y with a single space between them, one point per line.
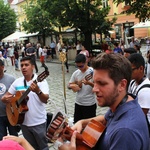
pixel 110 98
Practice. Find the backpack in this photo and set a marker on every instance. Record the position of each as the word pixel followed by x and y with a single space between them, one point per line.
pixel 143 86
pixel 134 96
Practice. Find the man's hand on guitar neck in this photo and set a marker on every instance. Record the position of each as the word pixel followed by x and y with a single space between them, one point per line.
pixel 43 97
pixel 34 87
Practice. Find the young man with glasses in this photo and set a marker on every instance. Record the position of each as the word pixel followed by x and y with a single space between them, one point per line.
pixel 140 85
pixel 81 82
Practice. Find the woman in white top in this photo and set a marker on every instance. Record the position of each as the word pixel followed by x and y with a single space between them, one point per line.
pixel 11 54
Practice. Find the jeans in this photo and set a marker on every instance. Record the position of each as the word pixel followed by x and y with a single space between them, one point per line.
pixel 4 126
pixel 16 64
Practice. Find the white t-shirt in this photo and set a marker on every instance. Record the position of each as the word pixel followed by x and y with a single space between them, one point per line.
pixel 41 52
pixel 78 47
pixel 22 49
pixel 58 46
pixel 11 52
pixel 37 113
pixel 143 94
pixel 85 96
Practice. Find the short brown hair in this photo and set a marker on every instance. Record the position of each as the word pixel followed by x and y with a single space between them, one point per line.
pixel 117 65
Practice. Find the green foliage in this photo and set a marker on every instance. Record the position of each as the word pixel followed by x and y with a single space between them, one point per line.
pixel 141 8
pixel 7 20
pixel 37 20
pixel 86 15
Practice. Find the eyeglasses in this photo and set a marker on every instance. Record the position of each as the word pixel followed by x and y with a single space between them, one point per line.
pixel 134 68
pixel 80 66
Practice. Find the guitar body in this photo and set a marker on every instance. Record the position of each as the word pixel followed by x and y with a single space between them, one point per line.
pixel 15 112
pixel 84 141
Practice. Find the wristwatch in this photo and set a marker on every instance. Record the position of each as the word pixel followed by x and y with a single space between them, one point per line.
pixel 39 93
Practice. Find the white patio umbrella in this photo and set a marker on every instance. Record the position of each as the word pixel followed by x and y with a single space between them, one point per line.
pixel 14 37
pixel 145 24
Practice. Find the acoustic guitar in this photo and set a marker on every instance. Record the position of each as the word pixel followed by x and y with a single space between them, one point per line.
pixel 17 108
pixel 87 78
pixel 84 141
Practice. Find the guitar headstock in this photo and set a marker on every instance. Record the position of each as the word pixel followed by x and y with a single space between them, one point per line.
pixel 42 76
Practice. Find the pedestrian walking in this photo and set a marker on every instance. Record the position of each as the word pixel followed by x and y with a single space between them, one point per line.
pixel 31 52
pixel 78 47
pixel 64 49
pixel 22 50
pixel 11 54
pixel 5 56
pixel 85 52
pixel 53 46
pixel 16 57
pixel 49 53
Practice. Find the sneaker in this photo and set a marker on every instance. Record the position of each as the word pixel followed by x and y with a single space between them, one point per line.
pixel 17 69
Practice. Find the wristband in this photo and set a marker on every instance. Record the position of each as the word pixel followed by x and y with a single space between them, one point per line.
pixel 39 93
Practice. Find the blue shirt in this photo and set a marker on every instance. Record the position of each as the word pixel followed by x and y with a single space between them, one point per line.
pixel 117 50
pixel 52 45
pixel 126 129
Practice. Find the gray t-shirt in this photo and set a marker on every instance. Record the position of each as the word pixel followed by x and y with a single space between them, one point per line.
pixel 5 83
pixel 85 96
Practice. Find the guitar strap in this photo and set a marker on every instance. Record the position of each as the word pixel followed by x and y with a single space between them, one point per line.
pixel 123 100
pixel 25 84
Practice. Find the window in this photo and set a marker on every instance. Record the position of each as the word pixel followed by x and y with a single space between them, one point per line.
pixel 118 31
pixel 105 3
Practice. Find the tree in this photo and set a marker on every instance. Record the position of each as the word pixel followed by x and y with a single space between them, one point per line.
pixel 86 15
pixel 7 20
pixel 141 8
pixel 38 20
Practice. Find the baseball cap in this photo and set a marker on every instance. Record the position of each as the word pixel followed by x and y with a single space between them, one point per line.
pixel 10 145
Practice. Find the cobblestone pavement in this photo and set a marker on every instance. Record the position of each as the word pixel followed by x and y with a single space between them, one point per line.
pixel 55 81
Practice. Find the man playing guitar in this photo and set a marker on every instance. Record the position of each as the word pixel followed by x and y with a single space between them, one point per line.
pixel 34 123
pixel 81 82
pixel 126 126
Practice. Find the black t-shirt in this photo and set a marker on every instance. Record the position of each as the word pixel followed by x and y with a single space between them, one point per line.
pixel 31 50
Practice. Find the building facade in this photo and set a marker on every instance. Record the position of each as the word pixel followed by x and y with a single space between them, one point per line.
pixel 124 22
pixel 121 27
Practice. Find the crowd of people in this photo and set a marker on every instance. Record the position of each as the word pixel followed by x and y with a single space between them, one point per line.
pixel 115 78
